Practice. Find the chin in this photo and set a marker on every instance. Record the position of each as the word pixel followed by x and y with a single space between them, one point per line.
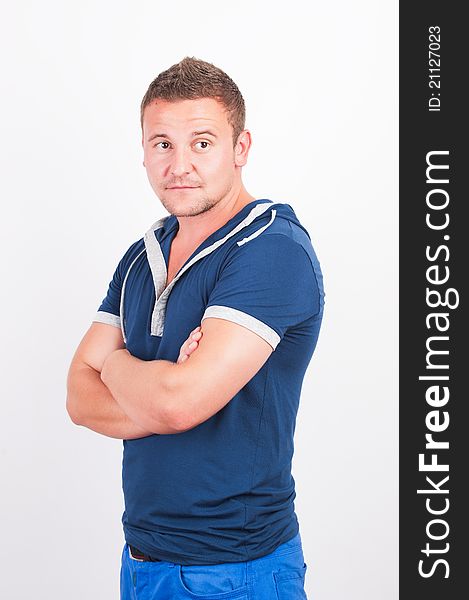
pixel 187 208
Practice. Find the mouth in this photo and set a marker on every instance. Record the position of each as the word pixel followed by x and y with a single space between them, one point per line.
pixel 183 187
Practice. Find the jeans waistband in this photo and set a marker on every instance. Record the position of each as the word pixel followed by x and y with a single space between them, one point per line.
pixel 290 546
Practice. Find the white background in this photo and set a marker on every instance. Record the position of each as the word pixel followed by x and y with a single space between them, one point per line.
pixel 320 84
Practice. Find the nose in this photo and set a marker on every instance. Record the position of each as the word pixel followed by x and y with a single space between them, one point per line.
pixel 181 163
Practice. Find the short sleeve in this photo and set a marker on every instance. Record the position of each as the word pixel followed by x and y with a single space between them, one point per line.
pixel 267 285
pixel 109 309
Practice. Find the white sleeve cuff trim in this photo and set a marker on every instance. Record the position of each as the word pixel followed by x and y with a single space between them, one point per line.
pixel 241 318
pixel 108 318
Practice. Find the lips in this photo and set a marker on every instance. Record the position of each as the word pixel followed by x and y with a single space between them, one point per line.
pixel 183 187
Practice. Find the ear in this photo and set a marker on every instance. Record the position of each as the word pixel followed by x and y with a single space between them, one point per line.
pixel 242 147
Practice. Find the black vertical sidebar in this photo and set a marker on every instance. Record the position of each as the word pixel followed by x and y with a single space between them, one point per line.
pixel 434 267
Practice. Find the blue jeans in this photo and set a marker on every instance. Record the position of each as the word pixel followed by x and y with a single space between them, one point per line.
pixel 279 575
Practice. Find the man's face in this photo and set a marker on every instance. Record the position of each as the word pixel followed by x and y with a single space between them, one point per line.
pixel 188 154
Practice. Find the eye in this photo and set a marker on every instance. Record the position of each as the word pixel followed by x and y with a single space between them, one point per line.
pixel 160 146
pixel 207 144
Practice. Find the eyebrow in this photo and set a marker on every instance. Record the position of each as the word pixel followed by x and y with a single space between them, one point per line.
pixel 194 133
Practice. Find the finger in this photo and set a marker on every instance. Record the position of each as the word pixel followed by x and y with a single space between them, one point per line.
pixel 193 336
pixel 187 349
pixel 190 349
pixel 183 348
pixel 181 358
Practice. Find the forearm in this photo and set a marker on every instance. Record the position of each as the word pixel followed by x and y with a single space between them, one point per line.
pixel 144 390
pixel 91 404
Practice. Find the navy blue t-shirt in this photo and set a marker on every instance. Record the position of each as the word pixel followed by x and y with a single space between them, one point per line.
pixel 222 491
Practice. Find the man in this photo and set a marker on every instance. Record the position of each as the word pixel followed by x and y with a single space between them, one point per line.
pixel 196 359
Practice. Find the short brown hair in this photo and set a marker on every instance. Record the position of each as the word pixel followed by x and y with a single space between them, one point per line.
pixel 192 78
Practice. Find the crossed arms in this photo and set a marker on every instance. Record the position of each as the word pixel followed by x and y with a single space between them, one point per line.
pixel 118 395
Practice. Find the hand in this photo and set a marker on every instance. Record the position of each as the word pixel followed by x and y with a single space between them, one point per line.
pixel 189 345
